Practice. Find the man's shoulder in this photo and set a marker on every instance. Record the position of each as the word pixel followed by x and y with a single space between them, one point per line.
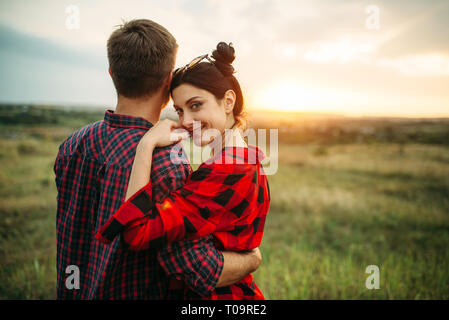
pixel 107 144
pixel 78 137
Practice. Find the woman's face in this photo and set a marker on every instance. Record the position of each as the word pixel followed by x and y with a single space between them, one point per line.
pixel 201 114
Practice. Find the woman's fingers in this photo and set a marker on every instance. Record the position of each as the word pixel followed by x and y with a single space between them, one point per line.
pixel 180 134
pixel 177 133
pixel 167 132
pixel 174 124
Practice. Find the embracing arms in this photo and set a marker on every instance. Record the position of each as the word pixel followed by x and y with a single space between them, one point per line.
pixel 229 266
pixel 229 201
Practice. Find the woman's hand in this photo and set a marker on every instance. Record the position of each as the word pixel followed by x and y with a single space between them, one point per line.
pixel 162 134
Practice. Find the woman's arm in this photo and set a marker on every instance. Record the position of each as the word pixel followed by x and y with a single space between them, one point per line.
pixel 216 198
pixel 159 135
pixel 140 173
pixel 211 201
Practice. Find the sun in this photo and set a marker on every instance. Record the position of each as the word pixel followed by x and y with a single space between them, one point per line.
pixel 286 96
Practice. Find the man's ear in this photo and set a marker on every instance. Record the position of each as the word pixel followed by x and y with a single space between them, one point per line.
pixel 169 79
pixel 229 101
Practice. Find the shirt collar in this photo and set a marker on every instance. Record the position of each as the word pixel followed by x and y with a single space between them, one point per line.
pixel 125 121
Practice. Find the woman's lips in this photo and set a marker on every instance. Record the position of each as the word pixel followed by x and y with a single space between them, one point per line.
pixel 192 132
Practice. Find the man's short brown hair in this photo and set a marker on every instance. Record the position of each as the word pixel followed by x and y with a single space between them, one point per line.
pixel 141 55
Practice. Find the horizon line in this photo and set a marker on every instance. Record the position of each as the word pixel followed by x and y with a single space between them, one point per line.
pixel 322 113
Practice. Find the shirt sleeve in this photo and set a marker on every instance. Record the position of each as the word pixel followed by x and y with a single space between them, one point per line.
pixel 195 262
pixel 215 198
pixel 58 166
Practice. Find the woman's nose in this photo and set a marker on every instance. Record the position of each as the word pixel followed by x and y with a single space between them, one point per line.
pixel 187 120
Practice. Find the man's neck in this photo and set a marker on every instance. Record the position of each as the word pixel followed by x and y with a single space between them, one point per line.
pixel 148 108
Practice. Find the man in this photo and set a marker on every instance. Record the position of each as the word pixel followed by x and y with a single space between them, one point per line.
pixel 92 171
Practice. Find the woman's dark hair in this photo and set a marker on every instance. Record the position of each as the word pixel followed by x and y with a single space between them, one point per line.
pixel 216 77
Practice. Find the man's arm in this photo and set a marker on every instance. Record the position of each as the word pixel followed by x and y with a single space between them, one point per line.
pixel 203 268
pixel 238 265
pixel 197 263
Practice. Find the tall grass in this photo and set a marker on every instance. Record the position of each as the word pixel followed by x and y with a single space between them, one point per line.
pixel 334 215
pixel 28 219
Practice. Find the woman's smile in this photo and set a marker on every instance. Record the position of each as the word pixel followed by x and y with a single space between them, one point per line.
pixel 200 113
pixel 196 131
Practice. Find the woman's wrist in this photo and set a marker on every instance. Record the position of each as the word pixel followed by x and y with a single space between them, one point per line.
pixel 147 143
pixel 144 151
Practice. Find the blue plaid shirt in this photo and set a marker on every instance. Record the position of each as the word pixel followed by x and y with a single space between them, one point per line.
pixel 92 171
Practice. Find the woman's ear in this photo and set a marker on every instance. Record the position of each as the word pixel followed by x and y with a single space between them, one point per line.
pixel 229 101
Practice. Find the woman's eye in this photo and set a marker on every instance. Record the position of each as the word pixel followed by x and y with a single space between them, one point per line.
pixel 178 111
pixel 195 105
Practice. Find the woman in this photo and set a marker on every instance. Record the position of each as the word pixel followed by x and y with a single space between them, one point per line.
pixel 228 196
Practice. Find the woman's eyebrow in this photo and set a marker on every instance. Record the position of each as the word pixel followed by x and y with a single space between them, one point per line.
pixel 193 98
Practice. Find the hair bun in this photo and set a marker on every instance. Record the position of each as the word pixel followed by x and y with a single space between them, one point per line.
pixel 224 55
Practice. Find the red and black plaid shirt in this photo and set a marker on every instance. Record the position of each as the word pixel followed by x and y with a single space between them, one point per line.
pixel 228 196
pixel 92 172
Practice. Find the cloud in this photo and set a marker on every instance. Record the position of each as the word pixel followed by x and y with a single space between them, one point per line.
pixel 341 51
pixel 317 43
pixel 432 64
pixel 24 44
pixel 39 70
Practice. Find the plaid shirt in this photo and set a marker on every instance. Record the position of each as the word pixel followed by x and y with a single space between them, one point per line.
pixel 227 199
pixel 92 171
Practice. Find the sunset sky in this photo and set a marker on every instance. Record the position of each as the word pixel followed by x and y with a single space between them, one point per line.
pixel 349 57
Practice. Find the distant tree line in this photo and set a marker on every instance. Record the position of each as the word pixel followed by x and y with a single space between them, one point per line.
pixel 324 131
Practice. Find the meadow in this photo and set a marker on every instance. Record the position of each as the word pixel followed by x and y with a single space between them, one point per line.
pixel 348 193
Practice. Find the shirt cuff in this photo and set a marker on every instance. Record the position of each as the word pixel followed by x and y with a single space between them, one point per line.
pixel 136 207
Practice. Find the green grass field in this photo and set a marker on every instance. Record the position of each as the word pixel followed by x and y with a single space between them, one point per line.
pixel 336 209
